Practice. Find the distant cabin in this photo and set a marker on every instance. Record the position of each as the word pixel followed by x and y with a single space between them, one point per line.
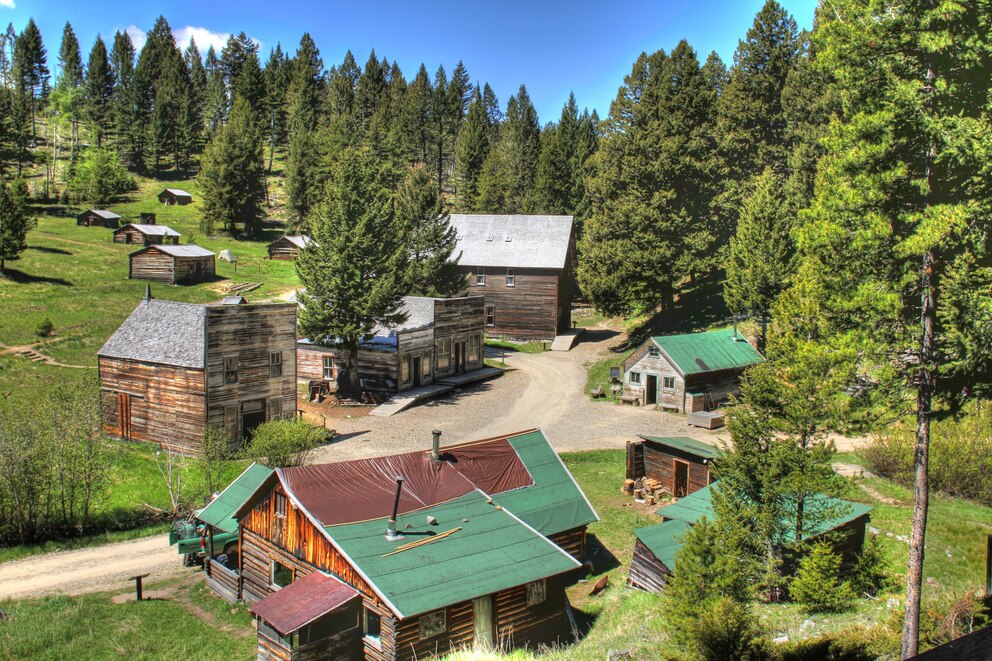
pixel 288 247
pixel 172 369
pixel 147 218
pixel 174 265
pixel 656 546
pixel 98 218
pixel 439 337
pixel 524 266
pixel 681 464
pixel 174 196
pixel 688 373
pixel 146 235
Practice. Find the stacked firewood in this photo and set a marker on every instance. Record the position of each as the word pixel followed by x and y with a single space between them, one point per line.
pixel 644 490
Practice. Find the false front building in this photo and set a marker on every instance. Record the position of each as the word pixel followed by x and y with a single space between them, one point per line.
pixel 172 369
pixel 524 266
pixel 489 533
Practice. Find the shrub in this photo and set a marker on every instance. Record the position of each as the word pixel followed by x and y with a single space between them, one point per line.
pixel 817 585
pixel 100 177
pixel 870 575
pixel 851 644
pixel 280 443
pixel 728 630
pixel 45 328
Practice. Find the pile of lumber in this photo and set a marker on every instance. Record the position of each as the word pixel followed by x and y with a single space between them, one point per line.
pixel 644 490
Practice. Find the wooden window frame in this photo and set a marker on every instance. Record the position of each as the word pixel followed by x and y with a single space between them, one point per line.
pixel 376 641
pixel 426 363
pixel 480 277
pixel 535 596
pixel 475 347
pixel 406 369
pixel 490 316
pixel 327 371
pixel 634 378
pixel 444 353
pixel 275 364
pixel 272 574
pixel 425 618
pixel 654 351
pixel 511 278
pixel 664 383
pixel 275 408
pixel 228 372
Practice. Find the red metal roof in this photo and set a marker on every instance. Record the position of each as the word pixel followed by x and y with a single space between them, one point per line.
pixel 364 489
pixel 303 601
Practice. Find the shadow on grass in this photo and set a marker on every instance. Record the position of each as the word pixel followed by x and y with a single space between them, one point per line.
pixel 22 278
pixel 54 251
pixel 602 558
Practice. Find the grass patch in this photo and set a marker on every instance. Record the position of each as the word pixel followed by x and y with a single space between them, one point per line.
pixel 92 627
pixel 598 373
pixel 522 347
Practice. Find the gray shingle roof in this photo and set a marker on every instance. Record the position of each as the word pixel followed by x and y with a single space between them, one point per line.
pixel 183 251
pixel 151 230
pixel 103 213
pixel 165 332
pixel 419 311
pixel 178 192
pixel 300 241
pixel 512 241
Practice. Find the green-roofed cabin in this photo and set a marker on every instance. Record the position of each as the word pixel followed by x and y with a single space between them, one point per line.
pixel 656 546
pixel 490 523
pixel 688 373
pixel 680 463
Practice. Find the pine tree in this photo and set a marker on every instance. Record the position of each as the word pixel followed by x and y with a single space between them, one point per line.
pixel 715 73
pixel 758 265
pixel 30 66
pixel 232 175
pixel 817 585
pixel 301 173
pixel 560 181
pixel 14 221
pixel 470 153
pixel 251 87
pixel 277 75
pixel 70 60
pixel 215 99
pixel 123 101
pixel 431 239
pixel 304 93
pixel 521 134
pixel 370 91
pixel 342 84
pixel 354 274
pixel 416 117
pixel 236 52
pixel 196 98
pixel 99 91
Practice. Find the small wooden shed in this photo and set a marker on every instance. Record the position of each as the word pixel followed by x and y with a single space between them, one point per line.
pixel 98 218
pixel 174 265
pixel 173 196
pixel 680 463
pixel 288 247
pixel 146 235
pixel 690 372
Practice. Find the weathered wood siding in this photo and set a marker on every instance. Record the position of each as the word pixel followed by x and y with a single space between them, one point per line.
pixel 659 464
pixel 572 541
pixel 191 270
pixel 169 199
pixel 96 220
pixel 527 310
pixel 152 264
pixel 167 404
pixel 345 645
pixel 310 362
pixel 131 235
pixel 284 250
pixel 223 581
pixel 717 386
pixel 250 333
pixel 521 625
pixel 647 572
pixel 643 363
pixel 457 320
pixel 460 621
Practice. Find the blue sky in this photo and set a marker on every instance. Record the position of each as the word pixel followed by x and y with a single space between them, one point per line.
pixel 553 46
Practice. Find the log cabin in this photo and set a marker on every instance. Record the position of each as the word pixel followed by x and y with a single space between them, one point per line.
pixel 688 373
pixel 487 536
pixel 172 369
pixel 175 196
pixel 439 337
pixel 524 266
pixel 657 546
pixel 173 265
pixel 681 464
pixel 98 218
pixel 146 235
pixel 288 247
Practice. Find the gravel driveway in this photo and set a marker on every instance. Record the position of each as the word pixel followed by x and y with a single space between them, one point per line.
pixel 542 390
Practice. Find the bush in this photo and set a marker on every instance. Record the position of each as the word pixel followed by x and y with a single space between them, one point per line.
pixel 960 455
pixel 45 328
pixel 728 630
pixel 817 585
pixel 870 575
pixel 851 644
pixel 280 443
pixel 100 177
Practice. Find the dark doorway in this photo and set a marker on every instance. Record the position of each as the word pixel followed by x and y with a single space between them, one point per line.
pixel 252 415
pixel 681 479
pixel 459 357
pixel 651 390
pixel 416 372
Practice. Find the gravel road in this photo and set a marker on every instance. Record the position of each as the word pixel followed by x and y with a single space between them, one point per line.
pixel 542 390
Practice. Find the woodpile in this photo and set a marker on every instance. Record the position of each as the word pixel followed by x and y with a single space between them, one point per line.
pixel 644 490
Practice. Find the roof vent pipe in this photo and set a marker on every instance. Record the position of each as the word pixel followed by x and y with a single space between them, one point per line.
pixel 148 293
pixel 392 534
pixel 436 446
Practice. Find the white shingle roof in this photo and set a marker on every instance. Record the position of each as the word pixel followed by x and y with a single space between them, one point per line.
pixel 516 241
pixel 299 241
pixel 183 251
pixel 152 230
pixel 103 213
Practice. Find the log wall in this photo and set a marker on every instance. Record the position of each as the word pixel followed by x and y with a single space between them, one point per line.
pixel 131 235
pixel 283 250
pixel 659 464
pixel 521 625
pixel 191 270
pixel 167 404
pixel 527 310
pixel 223 581
pixel 572 541
pixel 460 621
pixel 153 265
pixel 647 572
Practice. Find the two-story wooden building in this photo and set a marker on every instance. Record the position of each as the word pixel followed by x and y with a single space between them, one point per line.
pixel 438 337
pixel 688 373
pixel 487 535
pixel 525 268
pixel 172 369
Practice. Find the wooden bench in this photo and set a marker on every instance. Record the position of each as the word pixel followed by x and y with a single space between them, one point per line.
pixel 630 399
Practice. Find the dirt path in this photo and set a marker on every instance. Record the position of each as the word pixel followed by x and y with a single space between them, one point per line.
pixel 33 350
pixel 90 570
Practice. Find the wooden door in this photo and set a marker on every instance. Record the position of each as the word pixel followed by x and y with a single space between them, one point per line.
pixel 484 617
pixel 124 416
pixel 651 390
pixel 681 478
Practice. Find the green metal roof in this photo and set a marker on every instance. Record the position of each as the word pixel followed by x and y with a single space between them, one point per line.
pixel 696 353
pixel 220 512
pixel 664 540
pixel 554 503
pixel 493 551
pixel 686 444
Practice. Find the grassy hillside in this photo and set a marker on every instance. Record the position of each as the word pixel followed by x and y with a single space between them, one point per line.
pixel 77 278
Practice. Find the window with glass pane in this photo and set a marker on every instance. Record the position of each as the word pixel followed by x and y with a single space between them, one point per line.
pixel 275 364
pixel 635 377
pixel 432 624
pixel 328 367
pixel 511 278
pixel 281 575
pixel 230 369
pixel 490 315
pixel 668 382
pixel 537 592
pixel 444 354
pixel 373 625
pixel 480 276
